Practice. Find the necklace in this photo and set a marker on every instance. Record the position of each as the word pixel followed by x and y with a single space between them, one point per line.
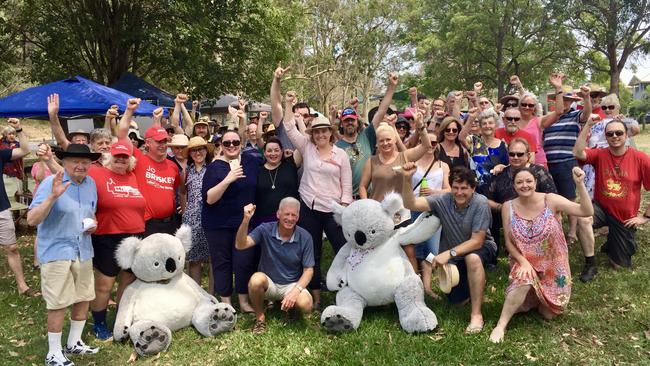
pixel 273 177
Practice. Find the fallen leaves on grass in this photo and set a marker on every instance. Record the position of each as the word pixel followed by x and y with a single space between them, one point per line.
pixel 307 351
pixel 596 341
pixel 133 357
pixel 530 357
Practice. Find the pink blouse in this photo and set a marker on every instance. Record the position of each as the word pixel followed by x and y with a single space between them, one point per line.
pixel 323 180
pixel 533 128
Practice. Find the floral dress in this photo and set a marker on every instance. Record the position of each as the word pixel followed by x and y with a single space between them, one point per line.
pixel 541 241
pixel 192 215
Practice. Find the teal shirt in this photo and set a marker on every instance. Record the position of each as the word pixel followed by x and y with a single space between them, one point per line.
pixel 358 153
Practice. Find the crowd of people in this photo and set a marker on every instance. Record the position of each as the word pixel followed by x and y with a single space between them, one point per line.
pixel 257 195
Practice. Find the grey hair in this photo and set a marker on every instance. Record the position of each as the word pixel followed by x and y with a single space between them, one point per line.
pixel 538 107
pixel 99 133
pixel 610 99
pixel 7 130
pixel 107 159
pixel 289 201
pixel 490 112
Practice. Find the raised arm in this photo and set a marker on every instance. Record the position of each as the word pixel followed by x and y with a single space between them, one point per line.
pixel 55 124
pixel 393 79
pixel 37 214
pixel 420 149
pixel 410 201
pixel 581 141
pixel 131 106
pixel 276 96
pixel 23 150
pixel 514 80
pixel 44 154
pixel 110 120
pixel 364 183
pixel 259 130
pixel 413 96
pixel 467 127
pixel 296 137
pixel 243 241
pixel 556 80
pixel 586 103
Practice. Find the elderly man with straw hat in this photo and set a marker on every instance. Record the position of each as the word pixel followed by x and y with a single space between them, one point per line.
pixel 466 244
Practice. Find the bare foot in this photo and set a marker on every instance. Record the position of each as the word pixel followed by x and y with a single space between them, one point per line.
pixel 432 294
pixel 475 325
pixel 497 335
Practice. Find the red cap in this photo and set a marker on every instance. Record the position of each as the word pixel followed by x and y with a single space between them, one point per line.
pixel 156 133
pixel 121 148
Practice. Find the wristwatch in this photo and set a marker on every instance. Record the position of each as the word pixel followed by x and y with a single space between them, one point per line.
pixel 453 253
pixel 430 257
pixel 300 288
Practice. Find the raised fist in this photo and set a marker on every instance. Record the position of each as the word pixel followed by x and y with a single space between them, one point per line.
pixel 393 79
pixel 478 86
pixel 514 80
pixel 180 98
pixel 279 71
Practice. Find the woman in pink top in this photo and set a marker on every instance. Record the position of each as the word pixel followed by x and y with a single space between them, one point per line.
pixel 326 177
pixel 531 123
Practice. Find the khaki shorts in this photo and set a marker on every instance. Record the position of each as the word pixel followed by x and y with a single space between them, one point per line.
pixel 277 292
pixel 7 228
pixel 64 283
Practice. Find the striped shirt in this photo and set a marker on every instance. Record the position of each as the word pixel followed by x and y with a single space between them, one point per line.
pixel 560 137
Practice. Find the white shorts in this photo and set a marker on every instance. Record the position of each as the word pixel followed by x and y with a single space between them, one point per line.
pixel 277 292
pixel 7 228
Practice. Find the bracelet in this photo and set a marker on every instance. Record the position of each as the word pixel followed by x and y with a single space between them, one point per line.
pixel 429 258
pixel 300 288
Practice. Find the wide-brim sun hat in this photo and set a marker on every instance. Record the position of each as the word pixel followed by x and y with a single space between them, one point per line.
pixel 78 132
pixel 77 151
pixel 178 140
pixel 198 141
pixel 319 123
pixel 448 277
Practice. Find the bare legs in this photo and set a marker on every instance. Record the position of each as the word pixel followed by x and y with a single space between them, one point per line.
pixel 103 287
pixel 16 265
pixel 476 279
pixel 195 269
pixel 511 306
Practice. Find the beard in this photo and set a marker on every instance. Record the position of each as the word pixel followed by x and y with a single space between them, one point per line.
pixel 511 129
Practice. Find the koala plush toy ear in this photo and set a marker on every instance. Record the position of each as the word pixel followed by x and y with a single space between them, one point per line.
pixel 392 203
pixel 125 252
pixel 337 210
pixel 184 234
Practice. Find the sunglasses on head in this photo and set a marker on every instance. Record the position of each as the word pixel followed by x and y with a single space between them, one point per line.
pixel 512 154
pixel 231 143
pixel 451 130
pixel 617 133
pixel 606 107
pixel 526 105
pixel 512 118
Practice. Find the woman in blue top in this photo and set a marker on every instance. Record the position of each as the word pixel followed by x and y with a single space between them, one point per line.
pixel 228 185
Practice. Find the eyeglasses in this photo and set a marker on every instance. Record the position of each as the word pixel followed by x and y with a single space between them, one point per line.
pixel 231 142
pixel 606 107
pixel 484 102
pixel 451 130
pixel 617 133
pixel 512 118
pixel 526 105
pixel 512 154
pixel 199 150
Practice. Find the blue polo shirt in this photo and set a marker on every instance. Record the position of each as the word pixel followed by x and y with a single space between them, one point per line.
pixel 283 261
pixel 60 235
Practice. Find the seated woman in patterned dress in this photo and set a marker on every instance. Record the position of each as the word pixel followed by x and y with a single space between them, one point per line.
pixel 540 276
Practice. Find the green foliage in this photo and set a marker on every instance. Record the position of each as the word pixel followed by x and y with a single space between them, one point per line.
pixel 641 106
pixel 200 46
pixel 465 41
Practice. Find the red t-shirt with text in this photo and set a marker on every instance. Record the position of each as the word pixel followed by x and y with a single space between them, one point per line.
pixel 501 134
pixel 157 182
pixel 618 180
pixel 120 205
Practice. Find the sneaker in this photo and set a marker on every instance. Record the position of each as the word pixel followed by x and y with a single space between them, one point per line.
pixel 102 332
pixel 80 349
pixel 51 360
pixel 588 273
pixel 259 327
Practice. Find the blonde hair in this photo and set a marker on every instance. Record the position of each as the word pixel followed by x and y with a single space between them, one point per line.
pixel 107 159
pixel 385 127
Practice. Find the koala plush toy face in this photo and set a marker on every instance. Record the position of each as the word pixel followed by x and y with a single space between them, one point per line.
pixel 367 223
pixel 158 257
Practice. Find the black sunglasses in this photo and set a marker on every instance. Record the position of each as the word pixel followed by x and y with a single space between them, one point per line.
pixel 451 130
pixel 517 154
pixel 402 127
pixel 511 105
pixel 606 107
pixel 617 133
pixel 231 142
pixel 526 105
pixel 512 118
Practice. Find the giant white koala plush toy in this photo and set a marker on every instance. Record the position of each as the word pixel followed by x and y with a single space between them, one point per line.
pixel 163 298
pixel 372 269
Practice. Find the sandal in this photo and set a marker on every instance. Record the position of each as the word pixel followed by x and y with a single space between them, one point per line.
pixel 30 293
pixel 259 327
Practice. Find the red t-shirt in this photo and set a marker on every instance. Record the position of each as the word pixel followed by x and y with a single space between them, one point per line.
pixel 618 180
pixel 501 134
pixel 599 111
pixel 157 182
pixel 120 205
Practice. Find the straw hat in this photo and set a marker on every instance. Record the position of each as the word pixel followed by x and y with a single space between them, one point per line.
pixel 448 277
pixel 198 141
pixel 178 140
pixel 320 122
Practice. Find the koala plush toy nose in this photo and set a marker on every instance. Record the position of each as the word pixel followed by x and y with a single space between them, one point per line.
pixel 360 237
pixel 170 265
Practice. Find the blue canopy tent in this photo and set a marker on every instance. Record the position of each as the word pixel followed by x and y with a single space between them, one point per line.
pixel 78 97
pixel 132 84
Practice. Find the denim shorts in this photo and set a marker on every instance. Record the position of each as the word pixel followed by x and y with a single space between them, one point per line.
pixel 562 174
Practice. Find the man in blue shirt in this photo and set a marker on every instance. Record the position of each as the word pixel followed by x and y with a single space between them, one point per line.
pixel 7 229
pixel 286 264
pixel 64 210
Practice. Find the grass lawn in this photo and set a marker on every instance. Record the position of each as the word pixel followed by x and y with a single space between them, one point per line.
pixel 607 323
